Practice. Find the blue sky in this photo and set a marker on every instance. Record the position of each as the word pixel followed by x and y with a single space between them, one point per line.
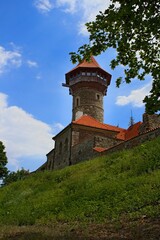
pixel 36 37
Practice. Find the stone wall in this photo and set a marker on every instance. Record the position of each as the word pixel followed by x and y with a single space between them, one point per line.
pixel 134 141
pixel 106 142
pixel 62 149
pixel 149 122
pixel 50 160
pixel 81 133
pixel 83 151
pixel 90 102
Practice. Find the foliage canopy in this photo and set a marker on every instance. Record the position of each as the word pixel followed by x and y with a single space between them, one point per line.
pixel 3 161
pixel 132 28
pixel 15 176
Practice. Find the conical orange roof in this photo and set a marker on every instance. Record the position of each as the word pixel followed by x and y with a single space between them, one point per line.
pixel 91 63
pixel 87 64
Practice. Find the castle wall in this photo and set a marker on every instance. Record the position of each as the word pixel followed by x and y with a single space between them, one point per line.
pixel 106 142
pixel 50 160
pixel 83 151
pixel 134 141
pixel 149 122
pixel 62 149
pixel 81 133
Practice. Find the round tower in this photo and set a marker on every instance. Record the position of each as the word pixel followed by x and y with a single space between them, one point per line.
pixel 87 84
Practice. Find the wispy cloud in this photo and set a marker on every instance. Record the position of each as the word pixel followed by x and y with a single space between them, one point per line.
pixel 135 97
pixel 9 59
pixel 44 6
pixel 69 6
pixel 57 127
pixel 32 63
pixel 88 9
pixel 23 135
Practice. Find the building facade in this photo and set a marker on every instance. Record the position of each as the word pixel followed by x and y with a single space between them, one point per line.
pixel 87 136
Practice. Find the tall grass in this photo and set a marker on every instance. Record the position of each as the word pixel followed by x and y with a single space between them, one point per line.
pixel 121 184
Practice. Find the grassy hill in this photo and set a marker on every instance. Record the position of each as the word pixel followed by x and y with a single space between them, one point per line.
pixel 120 187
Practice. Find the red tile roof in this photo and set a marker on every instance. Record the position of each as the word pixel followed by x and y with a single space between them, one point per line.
pixel 99 149
pixel 122 134
pixel 91 122
pixel 91 64
pixel 132 131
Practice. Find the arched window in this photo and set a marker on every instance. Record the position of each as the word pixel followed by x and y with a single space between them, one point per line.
pixel 98 96
pixel 66 144
pixel 60 148
pixel 77 101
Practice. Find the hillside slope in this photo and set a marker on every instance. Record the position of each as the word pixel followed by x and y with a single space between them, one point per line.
pixel 122 185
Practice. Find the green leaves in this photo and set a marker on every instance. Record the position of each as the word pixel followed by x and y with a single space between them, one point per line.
pixel 15 176
pixel 132 28
pixel 3 161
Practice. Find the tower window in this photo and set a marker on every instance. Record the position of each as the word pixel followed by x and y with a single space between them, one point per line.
pixel 97 96
pixel 93 74
pixel 77 101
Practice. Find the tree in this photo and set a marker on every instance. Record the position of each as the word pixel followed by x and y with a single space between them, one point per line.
pixel 15 176
pixel 133 29
pixel 3 161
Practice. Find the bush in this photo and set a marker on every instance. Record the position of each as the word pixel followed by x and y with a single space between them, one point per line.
pixel 15 176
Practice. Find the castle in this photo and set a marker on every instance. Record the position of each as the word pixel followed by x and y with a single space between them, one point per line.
pixel 87 136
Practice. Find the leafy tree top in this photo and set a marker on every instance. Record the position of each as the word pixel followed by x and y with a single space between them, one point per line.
pixel 133 29
pixel 3 161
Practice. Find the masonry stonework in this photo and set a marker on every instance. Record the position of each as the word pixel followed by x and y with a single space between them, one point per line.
pixel 149 122
pixel 89 102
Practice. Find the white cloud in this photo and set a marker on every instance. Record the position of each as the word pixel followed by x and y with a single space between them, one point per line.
pixel 32 63
pixel 87 8
pixel 44 6
pixel 135 98
pixel 90 9
pixel 57 127
pixel 23 135
pixel 69 5
pixel 38 76
pixel 9 59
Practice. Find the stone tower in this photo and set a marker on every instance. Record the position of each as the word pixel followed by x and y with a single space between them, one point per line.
pixel 87 83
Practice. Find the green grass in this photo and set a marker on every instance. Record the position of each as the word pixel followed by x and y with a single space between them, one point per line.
pixel 107 188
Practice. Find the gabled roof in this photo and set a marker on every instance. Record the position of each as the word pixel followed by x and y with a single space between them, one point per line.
pixel 122 134
pixel 91 122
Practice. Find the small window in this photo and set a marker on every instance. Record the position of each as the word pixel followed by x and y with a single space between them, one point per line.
pixel 93 74
pixel 60 148
pixel 80 151
pixel 83 73
pixel 88 74
pixel 77 101
pixel 97 96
